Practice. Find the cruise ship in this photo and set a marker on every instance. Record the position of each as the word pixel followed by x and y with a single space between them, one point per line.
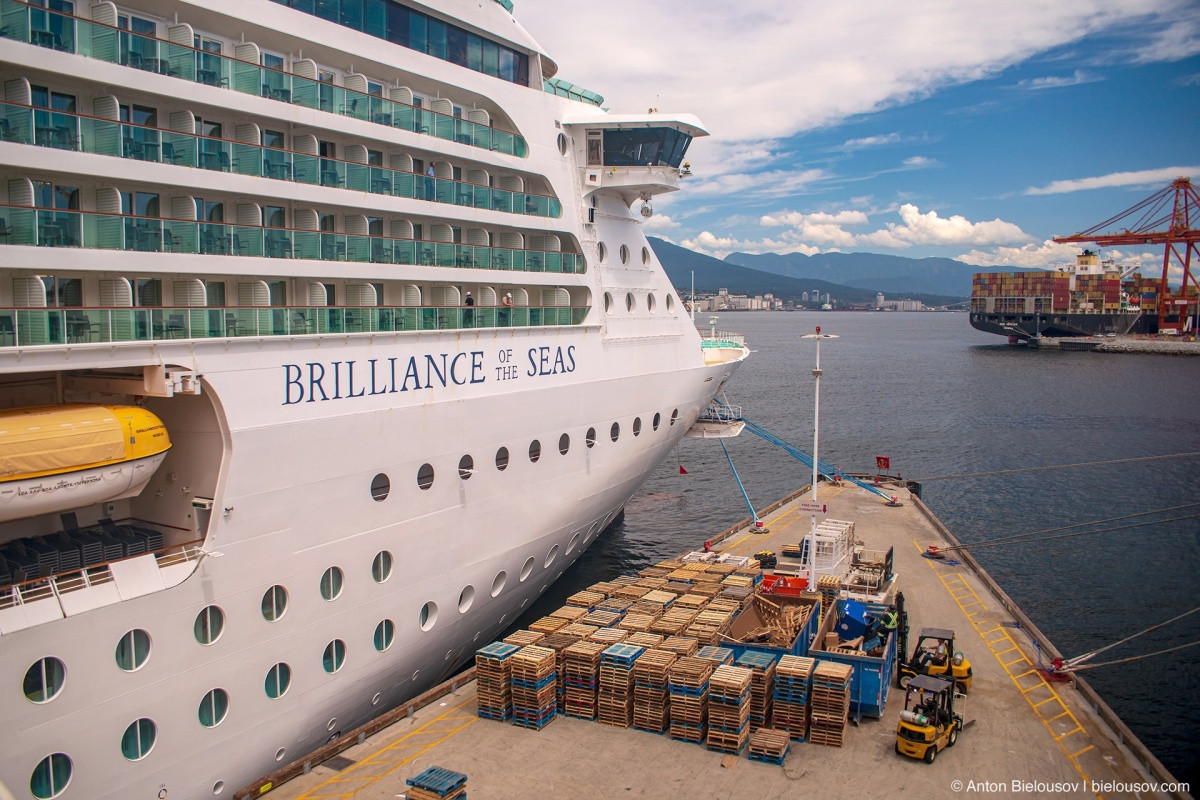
pixel 329 339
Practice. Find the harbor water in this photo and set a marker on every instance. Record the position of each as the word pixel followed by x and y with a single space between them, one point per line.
pixel 976 422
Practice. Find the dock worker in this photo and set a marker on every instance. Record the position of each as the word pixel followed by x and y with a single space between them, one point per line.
pixel 888 622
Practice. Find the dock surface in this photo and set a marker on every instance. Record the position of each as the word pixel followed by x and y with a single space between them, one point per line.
pixel 1028 737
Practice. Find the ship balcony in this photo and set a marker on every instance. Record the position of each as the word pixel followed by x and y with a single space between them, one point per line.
pixel 43 227
pixel 67 33
pixel 22 124
pixel 721 347
pixel 25 327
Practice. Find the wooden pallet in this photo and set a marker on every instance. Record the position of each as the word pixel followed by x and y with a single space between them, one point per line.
pixel 585 599
pixel 769 745
pixel 636 622
pixel 578 629
pixel 569 613
pixel 524 638
pixel 609 636
pixel 680 645
pixel 642 639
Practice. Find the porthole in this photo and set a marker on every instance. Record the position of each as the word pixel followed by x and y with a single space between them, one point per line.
pixel 425 476
pixel 650 302
pixel 553 554
pixel 331 583
pixel 674 416
pixel 133 650
pixel 645 255
pixel 209 624
pixel 498 583
pixel 629 302
pixel 670 302
pixel 385 633
pixel 375 698
pixel 44 680
pixel 637 426
pixel 138 739
pixel 274 603
pixel 280 753
pixel 381 485
pixel 381 566
pixel 603 252
pixel 624 254
pixel 614 432
pixel 51 776
pixel 502 459
pixel 334 656
pixel 428 615
pixel 218 788
pixel 608 302
pixel 465 599
pixel 657 420
pixel 562 144
pixel 564 444
pixel 526 568
pixel 279 677
pixel 571 545
pixel 590 438
pixel 466 467
pixel 213 708
pixel 535 450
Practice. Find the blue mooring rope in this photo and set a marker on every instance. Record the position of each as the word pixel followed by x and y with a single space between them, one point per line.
pixel 746 497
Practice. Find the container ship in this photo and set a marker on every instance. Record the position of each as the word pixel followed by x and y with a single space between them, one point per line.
pixel 1092 298
pixel 329 339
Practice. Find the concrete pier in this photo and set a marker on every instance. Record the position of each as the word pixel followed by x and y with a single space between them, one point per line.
pixel 1028 738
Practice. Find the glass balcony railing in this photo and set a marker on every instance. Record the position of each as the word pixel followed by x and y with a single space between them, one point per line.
pixel 71 34
pixel 49 326
pixel 27 125
pixel 64 228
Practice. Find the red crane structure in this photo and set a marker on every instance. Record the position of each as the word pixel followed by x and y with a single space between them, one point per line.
pixel 1169 217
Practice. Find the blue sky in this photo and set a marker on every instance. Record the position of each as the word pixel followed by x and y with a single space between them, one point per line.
pixel 972 130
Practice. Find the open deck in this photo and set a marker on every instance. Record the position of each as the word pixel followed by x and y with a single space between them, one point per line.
pixel 1029 737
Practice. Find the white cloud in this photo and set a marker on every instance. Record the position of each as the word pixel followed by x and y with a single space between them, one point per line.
pixel 871 141
pixel 1050 254
pixel 1139 178
pixel 919 162
pixel 721 246
pixel 688 56
pixel 916 228
pixel 1079 77
pixel 659 222
pixel 769 183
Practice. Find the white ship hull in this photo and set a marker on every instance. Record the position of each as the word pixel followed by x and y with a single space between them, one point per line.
pixel 449 469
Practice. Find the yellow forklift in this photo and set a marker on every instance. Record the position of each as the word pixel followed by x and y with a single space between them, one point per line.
pixel 934 655
pixel 928 722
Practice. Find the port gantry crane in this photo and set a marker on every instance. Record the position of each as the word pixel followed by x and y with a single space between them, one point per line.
pixel 1169 217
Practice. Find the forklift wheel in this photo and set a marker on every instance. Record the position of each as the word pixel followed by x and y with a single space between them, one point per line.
pixel 953 738
pixel 904 680
pixel 931 754
pixel 898 749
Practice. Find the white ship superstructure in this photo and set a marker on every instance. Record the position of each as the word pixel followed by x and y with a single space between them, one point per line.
pixel 252 228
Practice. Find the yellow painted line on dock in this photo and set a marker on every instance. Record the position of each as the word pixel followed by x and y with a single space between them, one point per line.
pixel 956 585
pixel 396 754
pixel 825 493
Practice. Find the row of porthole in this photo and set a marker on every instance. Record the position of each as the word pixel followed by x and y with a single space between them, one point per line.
pixel 631 303
pixel 45 679
pixel 624 254
pixel 381 484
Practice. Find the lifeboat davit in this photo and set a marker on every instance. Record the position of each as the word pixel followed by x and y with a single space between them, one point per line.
pixel 57 458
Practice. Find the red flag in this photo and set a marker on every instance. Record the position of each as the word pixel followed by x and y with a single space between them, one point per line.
pixel 883 462
pixel 682 471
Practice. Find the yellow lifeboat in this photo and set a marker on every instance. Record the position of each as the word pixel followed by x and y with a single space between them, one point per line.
pixel 56 458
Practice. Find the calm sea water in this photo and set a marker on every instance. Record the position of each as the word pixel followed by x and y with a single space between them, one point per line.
pixel 944 401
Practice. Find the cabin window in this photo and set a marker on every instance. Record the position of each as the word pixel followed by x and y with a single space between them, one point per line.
pixel 385 633
pixel 465 598
pixel 502 459
pixel 637 426
pixel 564 444
pixel 674 416
pixel 381 486
pixel 138 740
pixel 210 622
pixel 498 583
pixel 425 476
pixel 428 615
pixel 466 467
pixel 133 650
pixel 274 603
pixel 535 451
pixel 279 677
pixel 51 776
pixel 657 420
pixel 590 438
pixel 331 583
pixel 213 708
pixel 44 680
pixel 381 567
pixel 334 656
pixel 614 432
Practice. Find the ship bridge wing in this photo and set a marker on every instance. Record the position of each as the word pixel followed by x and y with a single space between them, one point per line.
pixel 638 155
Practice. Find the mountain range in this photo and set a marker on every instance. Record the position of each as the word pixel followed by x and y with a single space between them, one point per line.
pixel 850 277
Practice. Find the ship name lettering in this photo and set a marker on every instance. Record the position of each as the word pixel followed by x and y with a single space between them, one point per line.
pixel 317 381
pixel 551 360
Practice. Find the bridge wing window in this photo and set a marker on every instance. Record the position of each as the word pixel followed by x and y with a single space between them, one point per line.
pixel 645 147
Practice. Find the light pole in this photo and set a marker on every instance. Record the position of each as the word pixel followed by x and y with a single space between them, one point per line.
pixel 812 531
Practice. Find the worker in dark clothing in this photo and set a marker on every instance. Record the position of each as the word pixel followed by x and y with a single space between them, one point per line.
pixel 469 314
pixel 888 622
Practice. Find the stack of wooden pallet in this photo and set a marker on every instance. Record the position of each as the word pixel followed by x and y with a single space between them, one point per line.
pixel 601 618
pixel 651 696
pixel 830 703
pixel 790 704
pixel 436 783
pixel 717 655
pixel 534 689
pixel 493 680
pixel 581 676
pixel 524 638
pixel 615 702
pixel 674 620
pixel 729 709
pixel 586 600
pixel 769 745
pixel 559 642
pixel 829 586
pixel 688 686
pixel 762 686
pixel 549 624
pixel 636 622
pixel 609 635
pixel 569 613
pixel 680 645
pixel 650 641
